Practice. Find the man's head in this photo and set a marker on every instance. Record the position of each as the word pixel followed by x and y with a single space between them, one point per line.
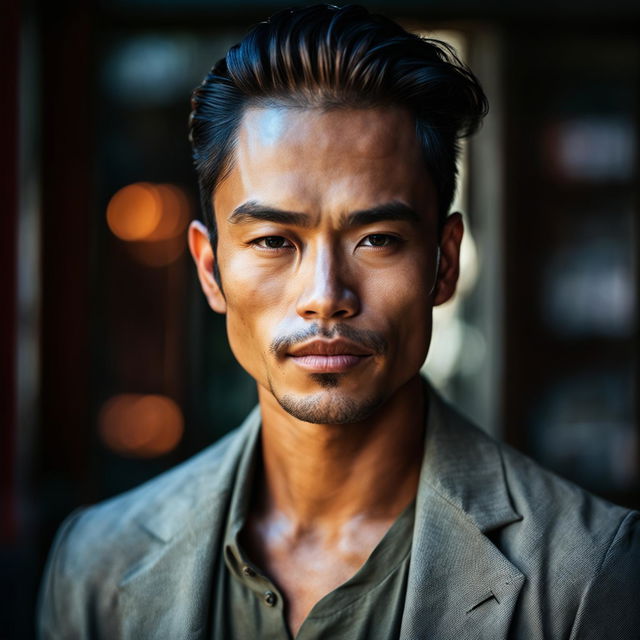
pixel 325 145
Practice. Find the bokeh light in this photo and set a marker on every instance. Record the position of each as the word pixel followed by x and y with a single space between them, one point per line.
pixel 174 212
pixel 134 212
pixel 151 219
pixel 141 426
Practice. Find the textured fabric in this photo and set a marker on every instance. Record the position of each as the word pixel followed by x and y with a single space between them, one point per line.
pixel 248 604
pixel 501 549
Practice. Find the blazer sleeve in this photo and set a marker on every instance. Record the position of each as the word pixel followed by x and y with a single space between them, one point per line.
pixel 610 606
pixel 60 611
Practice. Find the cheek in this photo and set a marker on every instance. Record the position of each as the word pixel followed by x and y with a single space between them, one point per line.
pixel 254 298
pixel 400 299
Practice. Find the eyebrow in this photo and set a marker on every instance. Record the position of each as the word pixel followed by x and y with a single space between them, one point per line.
pixel 394 210
pixel 254 211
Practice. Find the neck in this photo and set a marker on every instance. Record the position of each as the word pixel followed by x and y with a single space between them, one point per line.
pixel 322 476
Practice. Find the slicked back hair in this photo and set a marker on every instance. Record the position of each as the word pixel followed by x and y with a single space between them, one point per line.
pixel 329 57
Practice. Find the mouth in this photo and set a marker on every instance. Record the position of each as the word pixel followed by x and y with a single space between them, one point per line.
pixel 335 356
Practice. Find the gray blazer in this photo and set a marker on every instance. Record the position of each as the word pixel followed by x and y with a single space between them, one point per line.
pixel 501 549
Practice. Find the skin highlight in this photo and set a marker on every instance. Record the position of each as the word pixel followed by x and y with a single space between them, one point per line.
pixel 327 243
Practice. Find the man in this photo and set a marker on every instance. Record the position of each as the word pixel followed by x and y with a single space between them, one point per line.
pixel 354 503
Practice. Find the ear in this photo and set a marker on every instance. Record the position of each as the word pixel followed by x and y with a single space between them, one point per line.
pixel 203 256
pixel 449 268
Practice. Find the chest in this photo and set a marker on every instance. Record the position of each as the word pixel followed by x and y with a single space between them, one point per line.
pixel 368 605
pixel 306 575
pixel 310 568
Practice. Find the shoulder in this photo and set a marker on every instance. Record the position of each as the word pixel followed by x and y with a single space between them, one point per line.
pixel 567 542
pixel 580 553
pixel 97 546
pixel 550 508
pixel 559 509
pixel 155 505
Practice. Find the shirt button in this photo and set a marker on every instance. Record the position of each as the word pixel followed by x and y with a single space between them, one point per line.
pixel 270 598
pixel 248 571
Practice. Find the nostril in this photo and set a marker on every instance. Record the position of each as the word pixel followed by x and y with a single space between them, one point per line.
pixel 328 302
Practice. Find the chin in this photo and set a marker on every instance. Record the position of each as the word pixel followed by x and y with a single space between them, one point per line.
pixel 328 407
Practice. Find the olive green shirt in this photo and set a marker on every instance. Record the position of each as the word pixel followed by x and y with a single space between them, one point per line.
pixel 249 605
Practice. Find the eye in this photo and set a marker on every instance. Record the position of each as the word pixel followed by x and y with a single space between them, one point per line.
pixel 272 242
pixel 379 240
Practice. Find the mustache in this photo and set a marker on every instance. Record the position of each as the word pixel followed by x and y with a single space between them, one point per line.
pixel 366 338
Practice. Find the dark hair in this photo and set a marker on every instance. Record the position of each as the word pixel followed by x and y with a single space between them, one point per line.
pixel 326 56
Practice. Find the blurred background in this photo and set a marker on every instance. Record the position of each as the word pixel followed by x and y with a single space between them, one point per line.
pixel 113 367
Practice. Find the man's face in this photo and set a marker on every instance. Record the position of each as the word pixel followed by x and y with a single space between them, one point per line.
pixel 327 236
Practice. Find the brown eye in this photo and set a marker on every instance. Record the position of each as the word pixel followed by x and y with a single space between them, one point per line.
pixel 378 240
pixel 273 242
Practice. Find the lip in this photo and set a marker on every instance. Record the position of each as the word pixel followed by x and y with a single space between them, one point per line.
pixel 338 347
pixel 324 356
pixel 328 364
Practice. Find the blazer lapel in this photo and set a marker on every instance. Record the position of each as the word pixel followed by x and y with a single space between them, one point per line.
pixel 460 585
pixel 167 593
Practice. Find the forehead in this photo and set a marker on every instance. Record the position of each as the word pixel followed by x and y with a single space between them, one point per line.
pixel 366 133
pixel 313 160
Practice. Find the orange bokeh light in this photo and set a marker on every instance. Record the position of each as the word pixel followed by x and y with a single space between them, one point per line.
pixel 175 212
pixel 143 426
pixel 151 218
pixel 134 212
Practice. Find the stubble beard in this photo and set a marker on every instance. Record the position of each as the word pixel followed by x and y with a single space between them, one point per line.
pixel 327 407
pixel 331 405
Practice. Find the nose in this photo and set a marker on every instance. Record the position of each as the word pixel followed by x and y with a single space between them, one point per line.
pixel 325 293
